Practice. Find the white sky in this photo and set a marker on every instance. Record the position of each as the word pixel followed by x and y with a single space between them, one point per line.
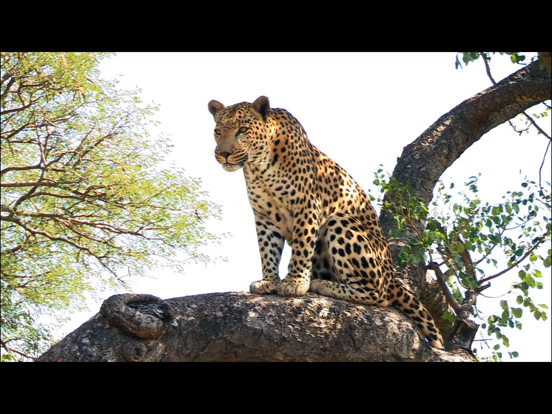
pixel 361 109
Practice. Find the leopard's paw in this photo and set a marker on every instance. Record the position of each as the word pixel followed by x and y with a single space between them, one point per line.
pixel 263 287
pixel 293 287
pixel 320 287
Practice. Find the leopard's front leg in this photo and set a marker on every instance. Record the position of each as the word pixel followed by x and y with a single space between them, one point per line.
pixel 305 234
pixel 271 244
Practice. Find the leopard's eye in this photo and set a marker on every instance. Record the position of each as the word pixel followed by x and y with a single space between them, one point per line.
pixel 241 130
pixel 217 131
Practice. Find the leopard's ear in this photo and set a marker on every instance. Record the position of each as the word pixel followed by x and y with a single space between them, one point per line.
pixel 261 106
pixel 214 108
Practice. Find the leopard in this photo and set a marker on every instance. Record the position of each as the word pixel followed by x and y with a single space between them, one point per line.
pixel 301 197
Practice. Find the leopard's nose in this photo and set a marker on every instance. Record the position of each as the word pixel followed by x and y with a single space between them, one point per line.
pixel 225 155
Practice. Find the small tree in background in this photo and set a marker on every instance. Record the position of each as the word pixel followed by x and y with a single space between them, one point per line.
pixel 85 200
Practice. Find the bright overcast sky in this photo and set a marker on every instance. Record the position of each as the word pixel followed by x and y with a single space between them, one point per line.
pixel 360 109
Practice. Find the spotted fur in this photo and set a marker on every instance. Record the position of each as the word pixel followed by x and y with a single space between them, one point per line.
pixel 301 196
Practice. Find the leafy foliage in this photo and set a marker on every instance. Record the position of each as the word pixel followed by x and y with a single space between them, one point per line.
pixel 467 57
pixel 85 201
pixel 464 242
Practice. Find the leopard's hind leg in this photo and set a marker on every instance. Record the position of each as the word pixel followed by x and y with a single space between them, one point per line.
pixel 343 266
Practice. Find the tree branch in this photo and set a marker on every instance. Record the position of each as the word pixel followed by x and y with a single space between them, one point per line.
pixel 244 327
pixel 444 288
pixel 44 183
pixel 530 119
pixel 541 240
pixel 9 349
pixel 423 161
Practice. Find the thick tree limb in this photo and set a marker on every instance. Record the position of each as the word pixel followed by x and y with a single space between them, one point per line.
pixel 244 327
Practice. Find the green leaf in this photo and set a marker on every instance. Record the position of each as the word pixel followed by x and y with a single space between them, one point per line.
pixel 522 274
pixel 449 317
pixel 467 57
pixel 504 305
pixel 517 312
pixel 517 58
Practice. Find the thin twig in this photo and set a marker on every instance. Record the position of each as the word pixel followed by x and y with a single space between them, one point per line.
pixel 542 163
pixel 541 240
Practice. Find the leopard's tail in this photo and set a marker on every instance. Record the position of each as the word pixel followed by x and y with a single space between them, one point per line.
pixel 404 300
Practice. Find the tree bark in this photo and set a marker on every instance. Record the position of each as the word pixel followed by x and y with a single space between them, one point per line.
pixel 246 327
pixel 424 160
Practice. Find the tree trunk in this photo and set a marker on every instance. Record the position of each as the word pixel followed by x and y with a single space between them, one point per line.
pixel 246 327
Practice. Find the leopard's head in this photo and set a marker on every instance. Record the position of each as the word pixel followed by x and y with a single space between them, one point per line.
pixel 240 132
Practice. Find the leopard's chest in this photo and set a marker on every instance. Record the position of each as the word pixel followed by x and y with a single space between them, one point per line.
pixel 273 199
